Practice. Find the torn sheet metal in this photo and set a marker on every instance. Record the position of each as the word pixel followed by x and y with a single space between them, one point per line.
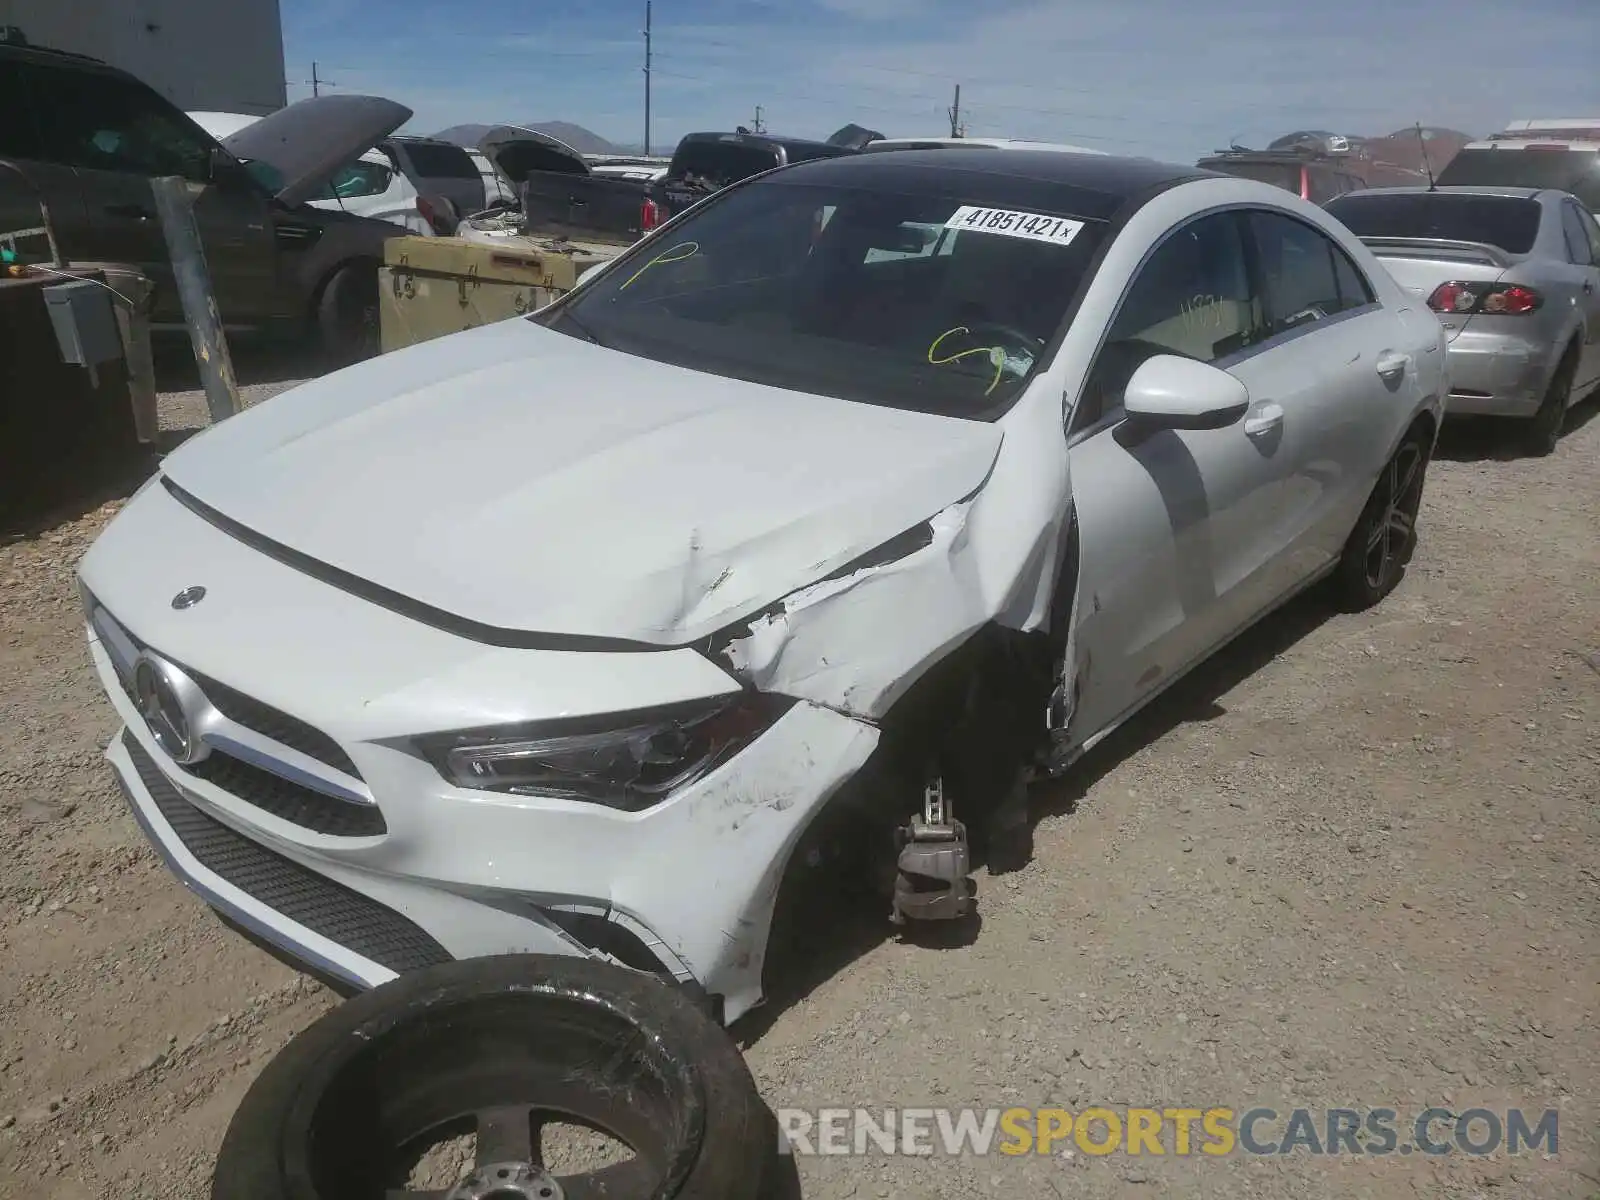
pixel 855 643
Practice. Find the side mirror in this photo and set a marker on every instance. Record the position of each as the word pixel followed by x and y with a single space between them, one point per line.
pixel 1170 392
pixel 590 270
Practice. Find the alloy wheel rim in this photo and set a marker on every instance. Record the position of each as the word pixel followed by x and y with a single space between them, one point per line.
pixel 1391 533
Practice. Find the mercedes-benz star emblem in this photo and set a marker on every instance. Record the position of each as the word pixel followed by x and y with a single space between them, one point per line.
pixel 189 597
pixel 163 711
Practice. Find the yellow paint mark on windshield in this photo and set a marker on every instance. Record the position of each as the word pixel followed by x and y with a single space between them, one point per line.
pixel 996 355
pixel 664 258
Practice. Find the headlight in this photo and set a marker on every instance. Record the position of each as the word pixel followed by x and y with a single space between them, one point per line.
pixel 628 761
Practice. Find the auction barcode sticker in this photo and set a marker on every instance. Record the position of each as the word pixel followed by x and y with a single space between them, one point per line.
pixel 1060 230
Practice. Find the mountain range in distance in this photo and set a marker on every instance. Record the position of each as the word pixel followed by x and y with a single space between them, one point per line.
pixel 584 141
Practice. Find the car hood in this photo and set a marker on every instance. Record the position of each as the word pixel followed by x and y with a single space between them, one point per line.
pixel 311 139
pixel 515 151
pixel 523 480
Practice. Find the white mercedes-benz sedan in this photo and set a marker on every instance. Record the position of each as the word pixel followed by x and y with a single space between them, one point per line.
pixel 818 522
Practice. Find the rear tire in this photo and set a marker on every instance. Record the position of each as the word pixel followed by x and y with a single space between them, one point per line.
pixel 1385 536
pixel 1544 429
pixel 347 314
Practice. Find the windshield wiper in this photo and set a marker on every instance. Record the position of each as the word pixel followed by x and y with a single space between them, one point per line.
pixel 581 329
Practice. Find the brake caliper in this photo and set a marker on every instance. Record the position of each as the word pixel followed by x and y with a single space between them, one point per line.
pixel 933 882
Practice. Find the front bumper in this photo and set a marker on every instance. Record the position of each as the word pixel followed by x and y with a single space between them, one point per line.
pixel 1496 376
pixel 441 872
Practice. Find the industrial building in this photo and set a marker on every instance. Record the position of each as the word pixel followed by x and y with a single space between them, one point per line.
pixel 224 55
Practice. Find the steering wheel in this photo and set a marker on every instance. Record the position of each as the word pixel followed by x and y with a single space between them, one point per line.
pixel 1010 335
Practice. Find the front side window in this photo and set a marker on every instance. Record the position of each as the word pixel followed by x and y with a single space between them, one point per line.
pixel 918 299
pixel 1192 297
pixel 1303 277
pixel 357 180
pixel 101 122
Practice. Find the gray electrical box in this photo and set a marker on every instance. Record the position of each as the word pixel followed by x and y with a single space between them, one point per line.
pixel 84 321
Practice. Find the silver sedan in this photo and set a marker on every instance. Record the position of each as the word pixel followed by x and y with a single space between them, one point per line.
pixel 1514 276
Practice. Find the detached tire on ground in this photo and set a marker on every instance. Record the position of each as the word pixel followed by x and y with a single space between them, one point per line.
pixel 347 314
pixel 503 1045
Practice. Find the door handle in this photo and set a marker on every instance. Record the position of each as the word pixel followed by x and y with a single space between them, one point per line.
pixel 135 211
pixel 1265 419
pixel 1392 365
pixel 1588 285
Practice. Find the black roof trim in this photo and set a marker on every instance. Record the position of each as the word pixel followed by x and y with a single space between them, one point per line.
pixel 1091 186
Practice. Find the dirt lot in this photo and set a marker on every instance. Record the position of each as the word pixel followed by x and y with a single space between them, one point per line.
pixel 1357 864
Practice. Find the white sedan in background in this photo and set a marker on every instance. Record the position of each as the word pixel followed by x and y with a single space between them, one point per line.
pixel 819 520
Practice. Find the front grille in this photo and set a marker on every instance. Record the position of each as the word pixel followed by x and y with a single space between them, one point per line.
pixel 269 722
pixel 340 914
pixel 246 710
pixel 288 800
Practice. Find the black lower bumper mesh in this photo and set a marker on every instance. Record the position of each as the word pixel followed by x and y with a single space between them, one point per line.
pixel 346 917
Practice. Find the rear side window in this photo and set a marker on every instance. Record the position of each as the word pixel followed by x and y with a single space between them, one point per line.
pixel 435 161
pixel 1572 226
pixel 1509 222
pixel 19 136
pixel 1306 277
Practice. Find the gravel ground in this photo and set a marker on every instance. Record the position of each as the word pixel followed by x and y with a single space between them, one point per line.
pixel 1352 863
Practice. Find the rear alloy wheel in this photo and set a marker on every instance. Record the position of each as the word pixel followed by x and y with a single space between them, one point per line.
pixel 1380 546
pixel 347 314
pixel 1544 429
pixel 446 1084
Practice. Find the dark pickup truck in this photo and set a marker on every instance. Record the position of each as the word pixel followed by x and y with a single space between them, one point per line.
pixel 563 194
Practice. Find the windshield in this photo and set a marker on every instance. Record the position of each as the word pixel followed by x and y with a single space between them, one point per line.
pixel 1575 171
pixel 938 303
pixel 1509 222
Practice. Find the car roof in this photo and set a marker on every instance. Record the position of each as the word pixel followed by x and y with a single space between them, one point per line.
pixel 759 139
pixel 1103 181
pixel 936 143
pixel 1514 193
pixel 1544 142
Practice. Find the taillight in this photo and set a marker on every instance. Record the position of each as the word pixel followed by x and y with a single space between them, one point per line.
pixel 1500 299
pixel 430 214
pixel 649 215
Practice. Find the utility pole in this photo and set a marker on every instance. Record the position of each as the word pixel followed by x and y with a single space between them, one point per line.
pixel 647 78
pixel 316 82
pixel 756 126
pixel 955 114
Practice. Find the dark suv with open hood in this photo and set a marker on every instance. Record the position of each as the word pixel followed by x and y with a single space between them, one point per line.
pixel 84 139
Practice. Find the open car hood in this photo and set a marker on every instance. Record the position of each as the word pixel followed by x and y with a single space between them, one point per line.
pixel 515 150
pixel 310 140
pixel 522 480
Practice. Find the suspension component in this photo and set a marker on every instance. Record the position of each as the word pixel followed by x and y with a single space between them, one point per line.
pixel 933 881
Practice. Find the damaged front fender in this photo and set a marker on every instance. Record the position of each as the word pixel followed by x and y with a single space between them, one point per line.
pixel 854 642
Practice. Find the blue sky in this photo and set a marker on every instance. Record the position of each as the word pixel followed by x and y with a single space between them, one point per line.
pixel 1167 78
